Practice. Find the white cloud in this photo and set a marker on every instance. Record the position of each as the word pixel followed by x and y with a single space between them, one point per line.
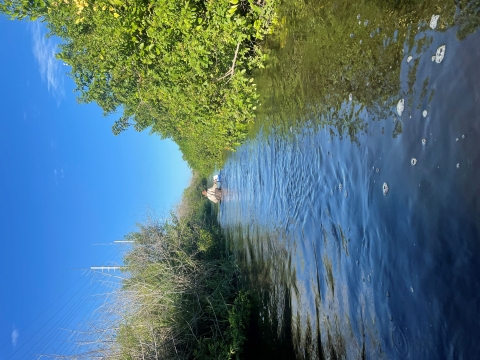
pixel 49 65
pixel 15 335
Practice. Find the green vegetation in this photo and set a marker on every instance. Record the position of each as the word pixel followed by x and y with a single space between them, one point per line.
pixel 180 298
pixel 185 69
pixel 181 68
pixel 324 52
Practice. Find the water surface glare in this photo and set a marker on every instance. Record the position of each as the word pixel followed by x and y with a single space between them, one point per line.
pixel 349 269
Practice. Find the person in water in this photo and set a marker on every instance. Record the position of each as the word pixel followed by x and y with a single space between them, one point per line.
pixel 214 193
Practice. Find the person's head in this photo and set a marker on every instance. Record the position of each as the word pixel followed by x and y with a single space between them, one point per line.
pixel 204 192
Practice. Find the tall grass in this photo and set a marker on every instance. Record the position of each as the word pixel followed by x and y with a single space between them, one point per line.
pixel 179 296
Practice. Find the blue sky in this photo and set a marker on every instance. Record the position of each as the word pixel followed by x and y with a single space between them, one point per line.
pixel 66 182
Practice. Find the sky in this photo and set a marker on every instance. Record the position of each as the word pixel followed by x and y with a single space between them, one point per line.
pixel 66 183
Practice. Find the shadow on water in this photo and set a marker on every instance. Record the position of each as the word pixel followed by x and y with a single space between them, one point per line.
pixel 354 208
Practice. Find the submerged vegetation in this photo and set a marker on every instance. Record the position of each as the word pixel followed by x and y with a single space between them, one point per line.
pixel 329 62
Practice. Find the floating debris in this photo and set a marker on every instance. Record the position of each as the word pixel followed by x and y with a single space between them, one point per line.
pixel 411 289
pixel 361 42
pixel 352 35
pixel 409 58
pixel 400 106
pixel 424 141
pixel 377 170
pixel 433 21
pixel 414 161
pixel 372 34
pixel 458 166
pixel 440 54
pixel 365 23
pixel 463 136
pixel 346 195
pixel 424 113
pixel 340 187
pixel 456 139
pixel 433 58
pixel 385 188
pixel 350 97
pixel 358 17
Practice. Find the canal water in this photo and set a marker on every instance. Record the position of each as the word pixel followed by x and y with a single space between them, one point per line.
pixel 354 207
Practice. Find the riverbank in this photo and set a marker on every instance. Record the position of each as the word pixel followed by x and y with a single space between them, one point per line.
pixel 180 296
pixel 181 69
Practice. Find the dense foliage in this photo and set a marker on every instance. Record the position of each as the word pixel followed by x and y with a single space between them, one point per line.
pixel 181 68
pixel 179 297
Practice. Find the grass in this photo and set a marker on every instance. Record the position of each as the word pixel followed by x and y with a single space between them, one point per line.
pixel 179 296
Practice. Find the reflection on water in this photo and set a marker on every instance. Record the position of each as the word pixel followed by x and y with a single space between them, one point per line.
pixel 355 208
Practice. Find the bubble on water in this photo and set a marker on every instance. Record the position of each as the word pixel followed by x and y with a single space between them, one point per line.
pixel 400 342
pixel 440 54
pixel 433 58
pixel 409 58
pixel 385 188
pixel 458 165
pixel 414 161
pixel 350 97
pixel 424 113
pixel 365 23
pixel 358 17
pixel 340 187
pixel 400 107
pixel 424 141
pixel 433 21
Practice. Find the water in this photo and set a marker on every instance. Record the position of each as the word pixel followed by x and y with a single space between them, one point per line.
pixel 341 267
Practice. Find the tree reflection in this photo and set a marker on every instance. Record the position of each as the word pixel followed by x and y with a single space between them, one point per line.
pixel 337 64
